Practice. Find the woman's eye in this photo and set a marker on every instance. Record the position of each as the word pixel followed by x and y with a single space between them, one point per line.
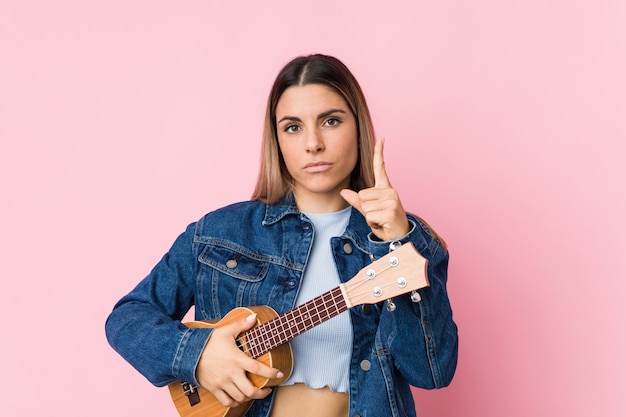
pixel 292 128
pixel 332 122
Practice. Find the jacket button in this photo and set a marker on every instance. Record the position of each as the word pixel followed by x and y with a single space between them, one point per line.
pixel 366 365
pixel 231 263
pixel 347 248
pixel 394 245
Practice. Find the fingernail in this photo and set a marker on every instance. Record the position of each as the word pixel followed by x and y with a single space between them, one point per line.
pixel 280 375
pixel 251 318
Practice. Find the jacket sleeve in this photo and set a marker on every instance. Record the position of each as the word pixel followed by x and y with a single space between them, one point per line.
pixel 422 336
pixel 144 326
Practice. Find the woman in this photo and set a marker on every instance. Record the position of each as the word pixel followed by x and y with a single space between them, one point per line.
pixel 323 209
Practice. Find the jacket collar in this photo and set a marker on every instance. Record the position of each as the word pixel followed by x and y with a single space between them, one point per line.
pixel 357 230
pixel 283 207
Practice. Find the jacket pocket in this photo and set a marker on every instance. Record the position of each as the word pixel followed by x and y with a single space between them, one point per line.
pixel 235 261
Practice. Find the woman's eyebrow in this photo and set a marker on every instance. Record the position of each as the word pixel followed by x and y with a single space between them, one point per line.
pixel 290 118
pixel 329 112
pixel 319 116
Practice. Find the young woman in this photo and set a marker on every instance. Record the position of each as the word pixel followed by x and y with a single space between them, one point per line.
pixel 323 209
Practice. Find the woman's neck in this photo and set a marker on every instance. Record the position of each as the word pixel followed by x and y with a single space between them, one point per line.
pixel 320 203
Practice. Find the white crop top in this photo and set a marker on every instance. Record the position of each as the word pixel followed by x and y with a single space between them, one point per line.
pixel 322 354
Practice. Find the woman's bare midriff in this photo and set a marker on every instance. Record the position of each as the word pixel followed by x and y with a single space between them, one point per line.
pixel 302 401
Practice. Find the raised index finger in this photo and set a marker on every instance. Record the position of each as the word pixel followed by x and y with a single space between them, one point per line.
pixel 381 180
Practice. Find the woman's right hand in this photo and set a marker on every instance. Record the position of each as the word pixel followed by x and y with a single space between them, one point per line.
pixel 222 367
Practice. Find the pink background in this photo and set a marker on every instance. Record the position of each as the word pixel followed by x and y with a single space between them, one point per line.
pixel 123 121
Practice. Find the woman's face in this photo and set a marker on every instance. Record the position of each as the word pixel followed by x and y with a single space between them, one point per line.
pixel 317 135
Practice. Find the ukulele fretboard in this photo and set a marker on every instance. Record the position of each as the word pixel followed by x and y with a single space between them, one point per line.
pixel 285 327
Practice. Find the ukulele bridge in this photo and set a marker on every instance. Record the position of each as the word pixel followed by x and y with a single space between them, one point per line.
pixel 191 393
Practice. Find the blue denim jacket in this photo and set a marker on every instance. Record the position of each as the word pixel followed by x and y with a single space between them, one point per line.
pixel 414 345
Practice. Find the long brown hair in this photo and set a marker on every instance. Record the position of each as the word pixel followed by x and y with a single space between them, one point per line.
pixel 274 180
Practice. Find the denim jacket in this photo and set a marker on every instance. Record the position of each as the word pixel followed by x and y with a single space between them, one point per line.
pixel 416 344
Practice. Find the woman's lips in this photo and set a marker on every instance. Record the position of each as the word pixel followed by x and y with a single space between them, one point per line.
pixel 317 167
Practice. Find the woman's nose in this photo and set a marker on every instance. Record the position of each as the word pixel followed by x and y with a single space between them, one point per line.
pixel 314 142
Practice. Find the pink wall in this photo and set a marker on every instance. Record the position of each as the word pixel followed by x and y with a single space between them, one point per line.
pixel 122 121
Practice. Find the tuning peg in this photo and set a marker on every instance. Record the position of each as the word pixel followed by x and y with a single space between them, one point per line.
pixel 391 306
pixel 415 296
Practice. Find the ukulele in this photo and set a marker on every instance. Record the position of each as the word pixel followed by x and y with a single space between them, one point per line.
pixel 399 272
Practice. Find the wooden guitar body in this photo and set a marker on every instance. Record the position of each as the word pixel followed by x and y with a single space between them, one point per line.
pixel 201 403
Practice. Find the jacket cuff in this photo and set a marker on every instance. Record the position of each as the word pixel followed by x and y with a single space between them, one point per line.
pixel 381 248
pixel 188 354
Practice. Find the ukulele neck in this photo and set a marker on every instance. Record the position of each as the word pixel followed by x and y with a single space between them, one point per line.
pixel 285 327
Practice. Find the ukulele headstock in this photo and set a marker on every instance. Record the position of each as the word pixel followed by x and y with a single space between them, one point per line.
pixel 399 272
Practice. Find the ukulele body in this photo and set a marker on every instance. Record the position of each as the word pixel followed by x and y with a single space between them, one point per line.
pixel 195 401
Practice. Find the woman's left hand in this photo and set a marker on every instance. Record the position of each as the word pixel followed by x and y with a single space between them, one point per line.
pixel 380 205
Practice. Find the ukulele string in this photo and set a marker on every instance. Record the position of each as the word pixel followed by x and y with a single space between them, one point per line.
pixel 248 341
pixel 279 330
pixel 252 342
pixel 272 330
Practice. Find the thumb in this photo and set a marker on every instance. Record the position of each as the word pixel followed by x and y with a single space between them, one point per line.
pixel 352 197
pixel 244 324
